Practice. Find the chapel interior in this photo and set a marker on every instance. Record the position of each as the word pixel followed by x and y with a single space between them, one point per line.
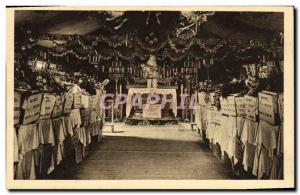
pixel 83 81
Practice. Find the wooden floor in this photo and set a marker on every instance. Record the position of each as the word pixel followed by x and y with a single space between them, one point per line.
pixel 168 152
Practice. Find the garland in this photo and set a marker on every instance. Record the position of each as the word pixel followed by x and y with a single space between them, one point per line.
pixel 173 46
pixel 241 49
pixel 124 41
pixel 149 49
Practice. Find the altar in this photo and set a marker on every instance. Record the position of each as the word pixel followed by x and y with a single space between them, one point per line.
pixel 151 103
pixel 159 112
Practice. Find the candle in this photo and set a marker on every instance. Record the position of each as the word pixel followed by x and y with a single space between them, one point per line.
pixel 120 89
pixel 181 88
pixel 203 61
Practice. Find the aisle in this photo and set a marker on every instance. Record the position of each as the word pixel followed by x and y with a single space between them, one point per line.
pixel 170 152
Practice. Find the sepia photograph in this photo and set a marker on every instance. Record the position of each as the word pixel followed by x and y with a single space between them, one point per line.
pixel 150 97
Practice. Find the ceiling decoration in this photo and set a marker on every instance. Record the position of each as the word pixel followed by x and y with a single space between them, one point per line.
pixel 192 21
pixel 134 35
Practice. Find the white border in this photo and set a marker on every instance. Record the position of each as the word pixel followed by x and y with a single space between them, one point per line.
pixel 96 2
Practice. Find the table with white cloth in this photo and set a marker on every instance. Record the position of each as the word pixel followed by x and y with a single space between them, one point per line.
pixel 158 91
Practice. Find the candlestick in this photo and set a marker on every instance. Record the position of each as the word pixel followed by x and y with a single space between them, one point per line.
pixel 116 86
pixel 185 90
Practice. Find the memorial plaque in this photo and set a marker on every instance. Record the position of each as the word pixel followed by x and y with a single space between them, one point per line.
pixel 152 111
pixel 231 106
pixel 224 105
pixel 240 106
pixel 68 103
pixel 32 107
pixel 84 113
pixel 267 107
pixel 48 103
pixel 251 107
pixel 17 107
pixel 58 107
pixel 93 102
pixel 274 99
pixel 77 100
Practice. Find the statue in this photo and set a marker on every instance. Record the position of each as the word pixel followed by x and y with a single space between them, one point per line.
pixel 150 72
